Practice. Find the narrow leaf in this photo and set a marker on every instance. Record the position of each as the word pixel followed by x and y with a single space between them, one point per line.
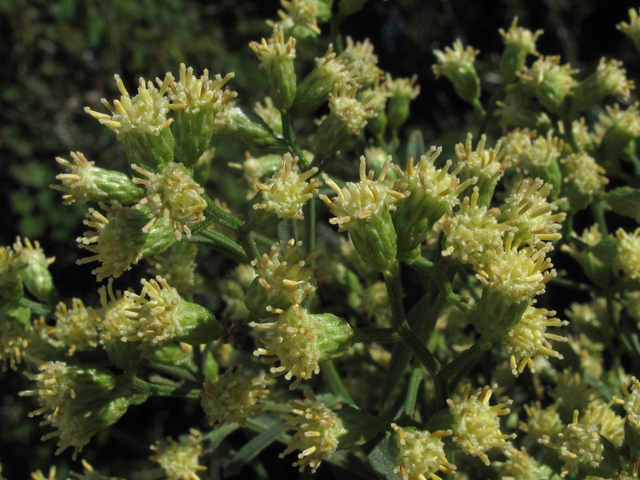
pixel 250 450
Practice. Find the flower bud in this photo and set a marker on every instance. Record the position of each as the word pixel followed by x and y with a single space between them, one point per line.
pixel 457 65
pixel 432 192
pixel 179 460
pixel 284 277
pixel 196 101
pixel 583 179
pixel 488 165
pixel 631 29
pixel 172 195
pixel 608 79
pixel 14 335
pixel 285 194
pixel 36 275
pixel 420 454
pixel 76 328
pixel 165 315
pixel 320 431
pixel 247 127
pixel 476 426
pixel 347 117
pixel 118 241
pixel 301 341
pixel 330 71
pixel 86 183
pixel 518 43
pixel 233 398
pixel 277 59
pixel 141 123
pixel 364 210
pixel 402 91
pixel 549 82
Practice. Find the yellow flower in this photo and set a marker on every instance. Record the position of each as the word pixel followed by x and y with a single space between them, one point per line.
pixel 233 397
pixel 628 258
pixel 421 454
pixel 298 13
pixel 361 55
pixel 487 164
pixel 583 172
pixel 194 94
pixel 457 65
pixel 520 466
pixel 76 329
pixel 179 460
pixel 541 421
pixel 631 401
pixel 476 425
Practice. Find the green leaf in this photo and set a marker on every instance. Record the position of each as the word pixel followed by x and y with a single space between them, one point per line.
pixel 623 201
pixel 250 450
pixel 381 460
pixel 606 250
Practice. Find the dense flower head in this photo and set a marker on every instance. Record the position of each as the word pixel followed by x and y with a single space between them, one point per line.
pixel 518 273
pixel 293 339
pixel 116 315
pixel 351 112
pixel 520 466
pixel 529 338
pixel 628 258
pixel 285 272
pixel 233 397
pixel 145 112
pixel 112 241
pixel 177 266
pixel 361 55
pixel 288 190
pixel 454 59
pixel 610 424
pixel 631 401
pixel 421 454
pixel 617 127
pixel 298 13
pixel 548 70
pixel 483 163
pixel 476 425
pixel 194 94
pixel 402 87
pixel 317 429
pixel 35 275
pixel 363 200
pixel 472 231
pixel 583 172
pixel 631 29
pixel 158 315
pixel 172 196
pixel 517 140
pixel 578 443
pixel 524 38
pixel 14 341
pixel 11 262
pixel 541 422
pixel 538 153
pixel 584 138
pixel 179 460
pixel 613 78
pixel 340 70
pixel 276 49
pixel 76 328
pixel 533 218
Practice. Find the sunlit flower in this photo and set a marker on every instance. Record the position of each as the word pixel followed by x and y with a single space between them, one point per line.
pixel 549 81
pixel 179 460
pixel 194 94
pixel 541 422
pixel 520 466
pixel 298 13
pixel 421 454
pixel 610 425
pixel 76 328
pixel 628 258
pixel 487 164
pixel 361 55
pixel 583 172
pixel 457 64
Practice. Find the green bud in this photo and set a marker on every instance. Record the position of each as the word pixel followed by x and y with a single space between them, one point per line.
pixel 86 183
pixel 277 59
pixel 402 91
pixel 247 127
pixel 196 103
pixel 36 275
pixel 457 65
pixel 347 117
pixel 141 123
pixel 608 79
pixel 519 42
pixel 324 10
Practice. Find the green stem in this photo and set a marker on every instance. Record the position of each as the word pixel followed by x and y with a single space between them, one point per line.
pixel 581 287
pixel 412 390
pixel 377 335
pixel 423 266
pixel 413 343
pixel 462 362
pixel 479 110
pixel 248 243
pixel 214 214
pixel 164 390
pixel 332 377
pixel 568 134
pixel 35 307
pixel 290 137
pixel 221 243
pixel 598 214
pixel 444 285
pixel 488 117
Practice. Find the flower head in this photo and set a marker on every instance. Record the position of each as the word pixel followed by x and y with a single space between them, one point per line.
pixel 76 328
pixel 631 29
pixel 350 111
pixel 611 425
pixel 270 114
pixel 541 422
pixel 486 164
pixel 584 178
pixel 524 38
pixel 14 339
pixel 631 402
pixel 11 263
pixel 473 231
pixel 421 454
pixel 284 195
pixel 300 340
pixel 457 65
pixel 194 94
pixel 529 338
pixel 36 275
pixel 317 429
pixel 233 397
pixel 549 81
pixel 361 55
pixel 608 79
pixel 476 425
pixel 628 258
pixel 177 266
pixel 520 466
pixel 179 460
pixel 172 196
pixel 531 216
pixel 298 13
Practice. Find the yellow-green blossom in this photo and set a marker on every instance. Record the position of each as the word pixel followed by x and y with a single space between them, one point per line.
pixel 488 165
pixel 631 29
pixel 361 55
pixel 457 65
pixel 628 258
pixel 179 460
pixel 76 329
pixel 421 454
